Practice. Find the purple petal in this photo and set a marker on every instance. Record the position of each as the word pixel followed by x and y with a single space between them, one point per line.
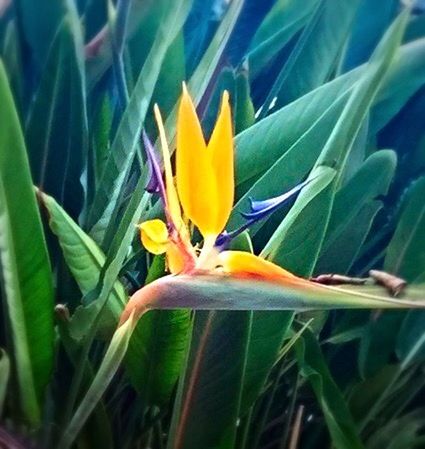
pixel 156 183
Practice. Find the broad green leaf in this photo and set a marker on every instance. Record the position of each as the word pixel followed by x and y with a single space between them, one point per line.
pixel 156 349
pixel 156 353
pixel 83 256
pixel 307 228
pixel 317 58
pixel 268 330
pixel 261 145
pixel 406 251
pixel 337 415
pixel 372 19
pixel 223 293
pixel 58 153
pixel 299 235
pixel 351 238
pixel 125 142
pixel 405 257
pixel 378 342
pixel 24 265
pixel 409 66
pixel 206 411
pixel 288 169
pixel 372 180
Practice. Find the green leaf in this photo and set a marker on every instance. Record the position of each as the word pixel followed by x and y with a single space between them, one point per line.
pixel 307 228
pixel 244 111
pixel 282 22
pixel 405 257
pixel 156 353
pixel 302 226
pixel 261 145
pixel 351 239
pixel 337 415
pixel 221 293
pixel 109 366
pixel 206 410
pixel 125 142
pixel 410 67
pixel 378 342
pixel 58 153
pixel 83 256
pixel 317 58
pixel 410 345
pixel 372 180
pixel 24 264
pixel 400 433
pixel 268 330
pixel 406 250
pixel 4 377
pixel 157 347
pixel 372 19
pixel 39 23
pixel 208 65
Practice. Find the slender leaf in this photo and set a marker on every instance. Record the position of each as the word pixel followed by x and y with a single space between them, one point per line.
pixel 24 264
pixel 4 377
pixel 58 153
pixel 125 142
pixel 338 418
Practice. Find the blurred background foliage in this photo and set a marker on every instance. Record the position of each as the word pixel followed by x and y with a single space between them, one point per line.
pixel 331 86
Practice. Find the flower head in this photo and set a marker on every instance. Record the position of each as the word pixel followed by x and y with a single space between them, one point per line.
pixel 202 193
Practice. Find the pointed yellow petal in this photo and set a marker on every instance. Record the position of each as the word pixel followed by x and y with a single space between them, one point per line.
pixel 195 179
pixel 220 148
pixel 154 236
pixel 239 262
pixel 172 198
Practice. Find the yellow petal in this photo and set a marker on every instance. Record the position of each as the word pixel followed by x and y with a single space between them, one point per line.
pixel 195 179
pixel 220 148
pixel 240 262
pixel 175 259
pixel 154 236
pixel 172 198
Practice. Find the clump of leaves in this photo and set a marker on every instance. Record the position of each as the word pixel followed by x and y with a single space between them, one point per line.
pixel 232 352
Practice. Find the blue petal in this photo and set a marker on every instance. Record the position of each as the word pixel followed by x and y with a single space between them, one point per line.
pixel 260 209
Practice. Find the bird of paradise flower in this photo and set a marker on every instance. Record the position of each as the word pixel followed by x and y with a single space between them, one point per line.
pixel 202 193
